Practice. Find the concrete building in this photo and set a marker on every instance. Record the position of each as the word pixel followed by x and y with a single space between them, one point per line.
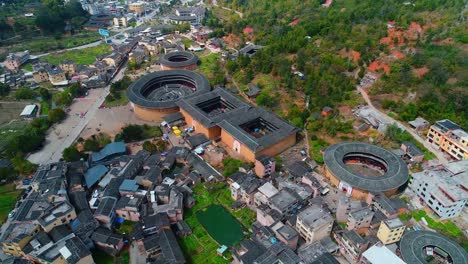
pixel 244 187
pixel 352 245
pixel 380 254
pixel 285 202
pixel 419 124
pixel 192 15
pixel 40 75
pixel 29 111
pixel 137 7
pixel 62 213
pixel 443 188
pixel 344 206
pixel 450 138
pixel 359 219
pixel 17 236
pixel 128 208
pixel 123 21
pixel 286 234
pixel 412 153
pixel 314 223
pixel 57 76
pixel 68 66
pixel 14 60
pixel 264 166
pixel 390 231
pixel 264 193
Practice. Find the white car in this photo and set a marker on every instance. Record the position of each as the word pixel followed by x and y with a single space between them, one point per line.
pixel 11 214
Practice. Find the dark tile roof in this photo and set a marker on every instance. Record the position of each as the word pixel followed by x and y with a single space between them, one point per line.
pixel 299 169
pixel 78 249
pixel 326 258
pixel 78 200
pixel 60 232
pixel 166 243
pixel 196 140
pixel 112 189
pixel 105 236
pixel 106 207
pixel 203 168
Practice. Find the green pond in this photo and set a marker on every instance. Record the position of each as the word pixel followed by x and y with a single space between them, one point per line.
pixel 220 224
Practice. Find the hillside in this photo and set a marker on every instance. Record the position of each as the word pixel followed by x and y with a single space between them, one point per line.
pixel 417 50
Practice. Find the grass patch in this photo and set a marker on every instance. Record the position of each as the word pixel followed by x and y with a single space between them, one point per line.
pixel 187 42
pixel 126 227
pixel 112 102
pixel 316 147
pixel 264 81
pixel 123 258
pixel 101 257
pixel 8 197
pixel 7 132
pixel 151 131
pixel 405 217
pixel 245 216
pixel 48 44
pixel 81 56
pixel 28 67
pixel 207 65
pixel 45 107
pixel 446 227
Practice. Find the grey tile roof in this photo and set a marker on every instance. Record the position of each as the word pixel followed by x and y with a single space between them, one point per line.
pixel 232 124
pixel 165 242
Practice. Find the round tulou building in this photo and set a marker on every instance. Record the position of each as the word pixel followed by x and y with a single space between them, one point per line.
pixel 155 95
pixel 359 169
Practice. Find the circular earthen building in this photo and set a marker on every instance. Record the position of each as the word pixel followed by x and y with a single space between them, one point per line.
pixel 359 168
pixel 179 60
pixel 155 95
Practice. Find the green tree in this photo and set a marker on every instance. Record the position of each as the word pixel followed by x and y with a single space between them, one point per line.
pixel 150 147
pixel 91 144
pixel 22 165
pixel 24 93
pixel 56 115
pixel 4 89
pixel 132 133
pixel 231 165
pixel 45 94
pixel 71 154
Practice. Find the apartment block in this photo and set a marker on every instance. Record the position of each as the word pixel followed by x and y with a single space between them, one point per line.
pixel 390 231
pixel 450 138
pixel 360 218
pixel 443 188
pixel 314 223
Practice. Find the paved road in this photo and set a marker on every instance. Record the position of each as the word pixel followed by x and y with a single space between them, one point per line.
pixel 387 119
pixel 65 133
pixel 136 256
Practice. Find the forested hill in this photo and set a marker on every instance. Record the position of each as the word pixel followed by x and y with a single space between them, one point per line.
pixel 423 55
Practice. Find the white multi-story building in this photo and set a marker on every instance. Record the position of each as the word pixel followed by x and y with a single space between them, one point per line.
pixel 443 188
pixel 314 223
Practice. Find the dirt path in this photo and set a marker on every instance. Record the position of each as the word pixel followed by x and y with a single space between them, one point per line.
pixel 383 116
